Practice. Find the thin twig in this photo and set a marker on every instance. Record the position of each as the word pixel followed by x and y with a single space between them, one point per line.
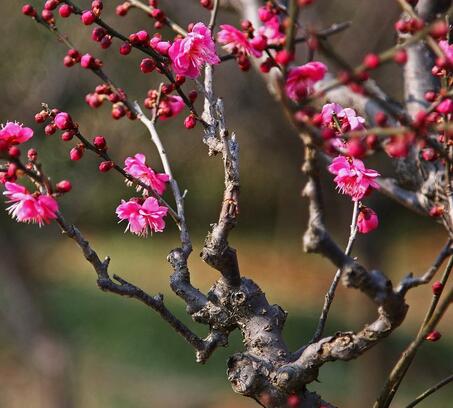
pixel 328 299
pixel 430 391
pixel 402 365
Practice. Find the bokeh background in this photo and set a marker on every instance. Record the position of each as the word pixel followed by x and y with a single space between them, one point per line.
pixel 63 343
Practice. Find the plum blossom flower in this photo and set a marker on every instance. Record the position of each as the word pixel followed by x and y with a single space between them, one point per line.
pixel 136 167
pixel 301 80
pixel 328 111
pixel 26 207
pixel 141 217
pixel 236 41
pixel 447 49
pixel 13 133
pixel 352 177
pixel 189 54
pixel 445 107
pixel 272 30
pixel 170 106
pixel 347 117
pixel 367 220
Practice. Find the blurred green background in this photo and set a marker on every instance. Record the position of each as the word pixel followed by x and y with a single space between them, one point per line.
pixel 64 343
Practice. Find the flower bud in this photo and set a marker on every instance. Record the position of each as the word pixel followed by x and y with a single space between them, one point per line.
pixel 28 10
pixel 105 166
pixel 371 61
pixel 64 186
pixel 190 122
pixel 100 143
pixel 14 151
pixel 32 155
pixel 87 61
pixel 63 121
pixel 67 136
pixel 125 48
pixel 88 17
pixel 437 288
pixel 50 129
pixel 433 336
pixel 367 220
pixel 65 10
pixel 147 65
pixel 76 153
pixel 400 57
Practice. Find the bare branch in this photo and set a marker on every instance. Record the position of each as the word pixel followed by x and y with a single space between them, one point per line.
pixel 430 391
pixel 124 288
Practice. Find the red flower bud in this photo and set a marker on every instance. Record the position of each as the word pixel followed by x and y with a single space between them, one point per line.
pixel 147 65
pixel 64 186
pixel 436 211
pixel 125 48
pixel 190 122
pixel 32 155
pixel 14 151
pixel 76 153
pixel 433 336
pixel 50 129
pixel 28 10
pixel 88 17
pixel 100 143
pixel 380 118
pixel 400 57
pixel 437 288
pixel 284 57
pixel 105 166
pixel 68 135
pixel 65 10
pixel 63 121
pixel 371 61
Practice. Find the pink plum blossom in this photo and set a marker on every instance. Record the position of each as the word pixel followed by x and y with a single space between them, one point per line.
pixel 347 117
pixel 352 177
pixel 327 112
pixel 234 40
pixel 170 106
pixel 140 217
pixel 301 80
pixel 189 54
pixel 136 167
pixel 272 30
pixel 13 133
pixel 447 49
pixel 26 207
pixel 445 107
pixel 367 220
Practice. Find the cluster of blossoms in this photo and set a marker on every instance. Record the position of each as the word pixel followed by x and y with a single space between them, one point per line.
pixel 143 214
pixel 354 179
pixel 37 207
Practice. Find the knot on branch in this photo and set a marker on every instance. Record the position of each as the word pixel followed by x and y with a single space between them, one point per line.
pixel 313 238
pixel 247 374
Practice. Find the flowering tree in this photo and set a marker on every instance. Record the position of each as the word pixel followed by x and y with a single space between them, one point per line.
pixel 342 119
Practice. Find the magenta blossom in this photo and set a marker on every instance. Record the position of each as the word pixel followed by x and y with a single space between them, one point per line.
pixel 301 80
pixel 136 167
pixel 236 41
pixel 140 217
pixel 13 133
pixel 170 106
pixel 188 55
pixel 273 31
pixel 447 50
pixel 367 220
pixel 347 117
pixel 352 177
pixel 26 207
pixel 445 107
